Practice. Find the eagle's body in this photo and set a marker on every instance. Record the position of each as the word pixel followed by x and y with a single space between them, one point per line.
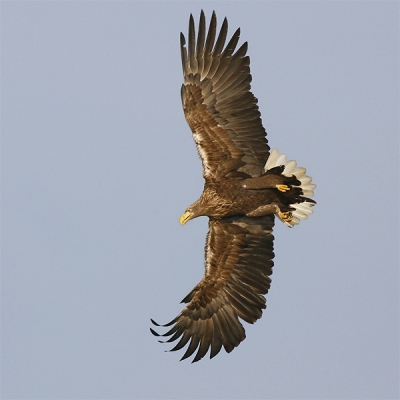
pixel 232 196
pixel 245 187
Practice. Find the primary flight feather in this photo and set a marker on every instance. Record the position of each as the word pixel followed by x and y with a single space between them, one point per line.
pixel 246 185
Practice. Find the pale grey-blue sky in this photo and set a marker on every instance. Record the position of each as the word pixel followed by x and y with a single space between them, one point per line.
pixel 98 163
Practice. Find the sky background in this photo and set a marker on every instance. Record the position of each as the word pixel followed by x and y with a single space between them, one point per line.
pixel 98 164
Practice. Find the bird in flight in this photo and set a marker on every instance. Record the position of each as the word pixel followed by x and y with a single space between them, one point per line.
pixel 246 186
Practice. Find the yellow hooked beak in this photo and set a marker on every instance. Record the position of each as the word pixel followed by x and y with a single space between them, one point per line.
pixel 185 217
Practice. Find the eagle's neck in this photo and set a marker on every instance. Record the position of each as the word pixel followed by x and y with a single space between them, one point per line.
pixel 212 202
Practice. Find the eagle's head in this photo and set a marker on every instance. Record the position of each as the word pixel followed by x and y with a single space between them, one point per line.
pixel 209 204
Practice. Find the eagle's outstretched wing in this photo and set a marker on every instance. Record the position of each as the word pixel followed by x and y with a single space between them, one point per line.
pixel 239 253
pixel 219 107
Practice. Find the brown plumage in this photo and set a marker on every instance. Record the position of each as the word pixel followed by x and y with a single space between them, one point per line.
pixel 245 186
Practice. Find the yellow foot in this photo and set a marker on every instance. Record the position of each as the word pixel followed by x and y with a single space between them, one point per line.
pixel 285 216
pixel 283 188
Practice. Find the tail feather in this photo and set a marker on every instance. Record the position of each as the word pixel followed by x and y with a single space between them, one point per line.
pixel 290 167
pixel 302 208
pixel 272 159
pixel 305 180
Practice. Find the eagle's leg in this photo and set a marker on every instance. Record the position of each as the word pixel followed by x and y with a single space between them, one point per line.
pixel 271 181
pixel 264 210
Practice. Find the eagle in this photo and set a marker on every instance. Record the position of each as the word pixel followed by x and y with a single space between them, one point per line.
pixel 246 186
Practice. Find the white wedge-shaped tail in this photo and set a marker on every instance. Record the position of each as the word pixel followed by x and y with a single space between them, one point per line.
pixel 304 208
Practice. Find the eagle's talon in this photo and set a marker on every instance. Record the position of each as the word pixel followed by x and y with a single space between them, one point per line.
pixel 286 216
pixel 283 188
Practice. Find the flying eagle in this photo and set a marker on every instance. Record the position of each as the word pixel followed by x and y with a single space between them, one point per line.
pixel 246 185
